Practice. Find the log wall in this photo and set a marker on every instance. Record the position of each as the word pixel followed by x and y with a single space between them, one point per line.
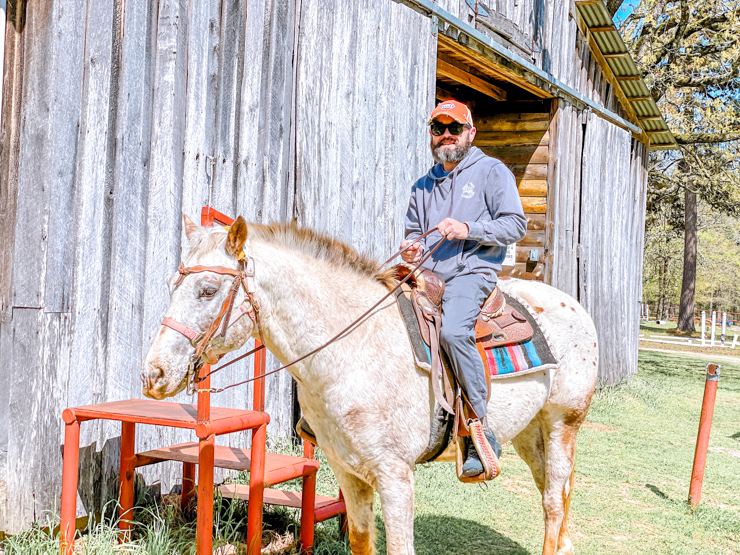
pixel 521 141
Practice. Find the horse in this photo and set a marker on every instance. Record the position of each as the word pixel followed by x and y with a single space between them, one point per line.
pixel 368 403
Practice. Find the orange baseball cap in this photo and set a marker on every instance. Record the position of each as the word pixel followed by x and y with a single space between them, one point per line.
pixel 453 108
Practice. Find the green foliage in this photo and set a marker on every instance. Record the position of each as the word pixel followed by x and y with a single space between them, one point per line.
pixel 718 262
pixel 689 56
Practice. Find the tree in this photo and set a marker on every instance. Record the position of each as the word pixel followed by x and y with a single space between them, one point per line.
pixel 689 56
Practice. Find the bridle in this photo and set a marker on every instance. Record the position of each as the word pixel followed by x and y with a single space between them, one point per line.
pixel 227 316
pixel 245 278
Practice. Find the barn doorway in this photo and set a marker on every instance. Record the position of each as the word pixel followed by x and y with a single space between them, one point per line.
pixel 512 125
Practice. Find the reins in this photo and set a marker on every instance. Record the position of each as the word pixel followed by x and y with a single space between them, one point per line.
pixel 351 327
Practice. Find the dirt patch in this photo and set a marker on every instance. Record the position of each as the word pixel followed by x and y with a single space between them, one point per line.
pixel 516 487
pixel 691 351
pixel 725 451
pixel 598 427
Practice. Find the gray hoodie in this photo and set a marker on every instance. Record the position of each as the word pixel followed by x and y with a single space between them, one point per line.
pixel 481 192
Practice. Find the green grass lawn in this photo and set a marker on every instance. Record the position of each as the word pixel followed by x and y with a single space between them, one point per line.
pixel 632 477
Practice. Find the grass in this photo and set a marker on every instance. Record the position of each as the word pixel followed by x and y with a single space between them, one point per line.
pixel 634 463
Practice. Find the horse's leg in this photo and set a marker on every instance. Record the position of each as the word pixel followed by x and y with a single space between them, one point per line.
pixel 559 433
pixel 530 446
pixel 358 498
pixel 396 489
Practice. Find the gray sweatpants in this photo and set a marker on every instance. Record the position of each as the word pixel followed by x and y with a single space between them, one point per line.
pixel 463 298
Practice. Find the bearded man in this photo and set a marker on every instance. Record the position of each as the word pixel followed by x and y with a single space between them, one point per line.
pixel 472 201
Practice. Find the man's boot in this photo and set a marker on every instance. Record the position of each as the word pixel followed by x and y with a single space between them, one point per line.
pixel 481 443
pixel 304 431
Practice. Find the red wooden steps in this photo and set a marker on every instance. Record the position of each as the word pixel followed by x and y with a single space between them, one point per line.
pixel 278 468
pixel 325 507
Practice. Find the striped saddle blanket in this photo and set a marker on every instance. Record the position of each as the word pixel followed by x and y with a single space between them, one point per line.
pixel 525 357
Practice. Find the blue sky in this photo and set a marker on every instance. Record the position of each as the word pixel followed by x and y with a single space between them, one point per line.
pixel 625 10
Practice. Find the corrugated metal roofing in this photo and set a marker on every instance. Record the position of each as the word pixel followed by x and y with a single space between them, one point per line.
pixel 610 43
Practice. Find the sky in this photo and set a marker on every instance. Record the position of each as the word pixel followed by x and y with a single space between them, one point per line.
pixel 625 10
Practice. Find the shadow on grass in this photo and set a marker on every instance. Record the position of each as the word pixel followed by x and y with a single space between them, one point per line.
pixel 434 535
pixel 658 492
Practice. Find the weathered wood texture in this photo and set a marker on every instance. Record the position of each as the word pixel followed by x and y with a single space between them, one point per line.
pixel 564 206
pixel 115 122
pixel 611 247
pixel 521 141
pixel 362 101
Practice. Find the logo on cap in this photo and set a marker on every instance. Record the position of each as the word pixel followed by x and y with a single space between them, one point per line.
pixel 448 106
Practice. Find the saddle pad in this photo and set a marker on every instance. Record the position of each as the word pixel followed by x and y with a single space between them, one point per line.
pixel 529 355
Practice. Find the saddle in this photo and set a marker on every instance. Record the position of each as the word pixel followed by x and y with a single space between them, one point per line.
pixel 498 324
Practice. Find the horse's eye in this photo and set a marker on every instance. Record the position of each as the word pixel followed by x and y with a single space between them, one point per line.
pixel 207 292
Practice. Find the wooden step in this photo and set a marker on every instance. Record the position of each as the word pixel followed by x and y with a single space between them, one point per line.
pixel 278 468
pixel 162 413
pixel 325 507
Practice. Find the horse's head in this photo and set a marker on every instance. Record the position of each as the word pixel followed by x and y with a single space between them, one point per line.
pixel 210 313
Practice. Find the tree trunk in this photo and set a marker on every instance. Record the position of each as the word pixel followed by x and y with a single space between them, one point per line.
pixel 688 283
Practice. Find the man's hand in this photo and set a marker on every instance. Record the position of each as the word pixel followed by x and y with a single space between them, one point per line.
pixel 452 229
pixel 412 255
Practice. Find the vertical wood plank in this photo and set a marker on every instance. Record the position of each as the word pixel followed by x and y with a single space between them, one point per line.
pixel 13 64
pixel 52 86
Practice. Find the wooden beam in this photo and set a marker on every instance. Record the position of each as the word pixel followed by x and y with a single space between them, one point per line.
pixel 532 188
pixel 657 132
pixel 502 138
pixel 617 55
pixel 602 29
pixel 651 118
pixel 639 98
pixel 534 205
pixel 629 78
pixel 470 80
pixel 587 2
pixel 507 74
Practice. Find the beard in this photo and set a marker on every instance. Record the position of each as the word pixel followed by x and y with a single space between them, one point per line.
pixel 453 152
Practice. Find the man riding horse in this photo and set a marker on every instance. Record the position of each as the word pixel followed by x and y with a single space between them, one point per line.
pixel 472 201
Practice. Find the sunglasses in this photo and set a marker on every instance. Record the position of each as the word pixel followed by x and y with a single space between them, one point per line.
pixel 455 128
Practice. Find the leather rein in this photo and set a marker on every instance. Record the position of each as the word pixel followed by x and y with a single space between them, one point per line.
pixel 244 278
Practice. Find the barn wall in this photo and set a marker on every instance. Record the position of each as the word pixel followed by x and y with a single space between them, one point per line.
pixel 610 268
pixel 362 101
pixel 117 118
pixel 115 122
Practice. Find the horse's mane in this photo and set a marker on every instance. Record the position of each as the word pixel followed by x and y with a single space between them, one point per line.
pixel 322 247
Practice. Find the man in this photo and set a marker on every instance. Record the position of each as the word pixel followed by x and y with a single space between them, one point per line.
pixel 472 201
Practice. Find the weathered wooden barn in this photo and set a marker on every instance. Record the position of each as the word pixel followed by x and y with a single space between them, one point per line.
pixel 119 116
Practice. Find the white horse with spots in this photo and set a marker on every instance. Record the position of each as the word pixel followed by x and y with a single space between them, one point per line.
pixel 369 405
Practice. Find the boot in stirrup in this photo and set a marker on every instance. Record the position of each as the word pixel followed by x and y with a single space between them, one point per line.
pixel 483 452
pixel 304 431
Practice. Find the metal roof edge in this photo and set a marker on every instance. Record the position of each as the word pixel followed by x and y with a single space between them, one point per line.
pixel 429 8
pixel 605 38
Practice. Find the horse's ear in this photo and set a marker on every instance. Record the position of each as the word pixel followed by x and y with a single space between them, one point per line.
pixel 237 237
pixel 190 227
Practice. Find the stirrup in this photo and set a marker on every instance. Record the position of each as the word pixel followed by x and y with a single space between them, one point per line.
pixel 486 445
pixel 304 431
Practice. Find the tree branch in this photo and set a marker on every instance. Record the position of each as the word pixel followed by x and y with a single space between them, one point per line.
pixel 612 6
pixel 711 80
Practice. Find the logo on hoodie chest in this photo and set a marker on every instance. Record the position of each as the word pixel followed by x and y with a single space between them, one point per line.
pixel 468 190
